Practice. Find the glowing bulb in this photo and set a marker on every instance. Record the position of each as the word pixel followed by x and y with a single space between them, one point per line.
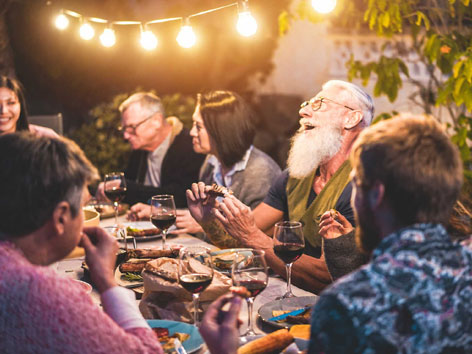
pixel 148 40
pixel 62 21
pixel 86 31
pixel 186 37
pixel 246 25
pixel 323 6
pixel 107 38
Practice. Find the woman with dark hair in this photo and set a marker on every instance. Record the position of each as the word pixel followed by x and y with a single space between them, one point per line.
pixel 13 114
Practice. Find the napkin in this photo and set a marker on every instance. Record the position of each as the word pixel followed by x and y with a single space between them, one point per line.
pixel 163 296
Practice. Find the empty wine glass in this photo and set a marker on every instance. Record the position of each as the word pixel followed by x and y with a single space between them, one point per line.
pixel 250 271
pixel 163 214
pixel 115 189
pixel 289 245
pixel 195 272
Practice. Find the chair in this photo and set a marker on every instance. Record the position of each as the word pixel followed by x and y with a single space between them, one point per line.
pixel 50 121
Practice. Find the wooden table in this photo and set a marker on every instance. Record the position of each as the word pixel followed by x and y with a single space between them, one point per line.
pixel 276 286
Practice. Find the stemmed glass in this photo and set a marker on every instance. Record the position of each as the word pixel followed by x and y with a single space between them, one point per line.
pixel 115 189
pixel 163 214
pixel 288 246
pixel 195 272
pixel 250 271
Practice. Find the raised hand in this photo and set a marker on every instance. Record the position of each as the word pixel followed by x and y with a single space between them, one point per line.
pixel 333 225
pixel 199 202
pixel 185 223
pixel 139 211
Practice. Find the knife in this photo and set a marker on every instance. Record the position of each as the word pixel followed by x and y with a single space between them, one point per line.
pixel 285 315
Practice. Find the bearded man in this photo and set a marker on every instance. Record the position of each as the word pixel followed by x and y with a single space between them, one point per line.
pixel 317 180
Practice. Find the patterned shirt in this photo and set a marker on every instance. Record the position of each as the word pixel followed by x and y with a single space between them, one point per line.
pixel 415 296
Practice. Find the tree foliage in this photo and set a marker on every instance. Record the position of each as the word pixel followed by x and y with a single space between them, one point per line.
pixel 433 33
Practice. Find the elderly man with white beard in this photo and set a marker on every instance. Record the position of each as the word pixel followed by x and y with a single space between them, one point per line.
pixel 317 181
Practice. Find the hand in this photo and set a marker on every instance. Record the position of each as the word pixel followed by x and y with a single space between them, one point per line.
pixel 100 193
pixel 139 211
pixel 200 203
pixel 100 256
pixel 238 219
pixel 185 223
pixel 334 227
pixel 219 328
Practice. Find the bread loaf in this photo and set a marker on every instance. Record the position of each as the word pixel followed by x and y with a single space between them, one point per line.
pixel 271 343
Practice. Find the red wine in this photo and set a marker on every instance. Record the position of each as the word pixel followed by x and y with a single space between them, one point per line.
pixel 164 221
pixel 255 287
pixel 288 252
pixel 116 194
pixel 195 283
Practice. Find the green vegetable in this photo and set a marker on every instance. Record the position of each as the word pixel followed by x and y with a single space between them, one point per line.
pixel 131 277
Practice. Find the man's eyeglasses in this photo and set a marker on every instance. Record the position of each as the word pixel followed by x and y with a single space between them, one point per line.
pixel 131 129
pixel 315 103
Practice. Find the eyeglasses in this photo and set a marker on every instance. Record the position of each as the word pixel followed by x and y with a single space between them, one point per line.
pixel 315 103
pixel 131 128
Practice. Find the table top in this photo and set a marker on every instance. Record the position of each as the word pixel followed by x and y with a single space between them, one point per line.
pixel 276 286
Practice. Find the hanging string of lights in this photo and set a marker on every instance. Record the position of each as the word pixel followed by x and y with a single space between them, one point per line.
pixel 246 26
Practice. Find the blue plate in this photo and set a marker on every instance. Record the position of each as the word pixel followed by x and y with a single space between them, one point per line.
pixel 192 344
pixel 226 264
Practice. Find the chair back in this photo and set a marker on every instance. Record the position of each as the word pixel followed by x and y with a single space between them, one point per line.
pixel 53 121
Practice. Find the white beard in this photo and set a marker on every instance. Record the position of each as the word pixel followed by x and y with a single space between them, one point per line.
pixel 311 148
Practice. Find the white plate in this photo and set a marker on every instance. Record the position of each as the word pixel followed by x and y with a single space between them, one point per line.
pixel 126 283
pixel 145 225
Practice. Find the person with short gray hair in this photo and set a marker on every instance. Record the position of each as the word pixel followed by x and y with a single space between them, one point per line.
pixel 163 160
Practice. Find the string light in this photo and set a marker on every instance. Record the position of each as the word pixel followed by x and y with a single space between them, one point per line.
pixel 323 6
pixel 148 40
pixel 107 38
pixel 186 37
pixel 86 31
pixel 61 22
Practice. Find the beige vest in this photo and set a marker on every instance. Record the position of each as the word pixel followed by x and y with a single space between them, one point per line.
pixel 298 191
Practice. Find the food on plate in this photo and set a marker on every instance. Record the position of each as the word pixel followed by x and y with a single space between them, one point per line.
pixel 302 318
pixel 169 342
pixel 167 268
pixel 134 265
pixel 219 191
pixel 132 231
pixel 273 342
pixel 131 277
pixel 225 260
pixel 334 214
pixel 241 291
pixel 301 331
pixel 153 253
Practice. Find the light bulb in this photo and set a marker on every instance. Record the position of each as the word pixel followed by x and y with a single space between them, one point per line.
pixel 86 31
pixel 186 37
pixel 107 38
pixel 323 6
pixel 247 25
pixel 62 21
pixel 148 40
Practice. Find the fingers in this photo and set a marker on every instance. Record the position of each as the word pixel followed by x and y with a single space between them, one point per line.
pixel 86 243
pixel 231 318
pixel 217 305
pixel 344 222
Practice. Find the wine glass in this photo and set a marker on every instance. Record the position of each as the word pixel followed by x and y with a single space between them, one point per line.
pixel 289 245
pixel 115 189
pixel 195 272
pixel 163 214
pixel 250 271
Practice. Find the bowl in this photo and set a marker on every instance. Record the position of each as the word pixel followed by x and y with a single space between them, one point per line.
pixel 86 286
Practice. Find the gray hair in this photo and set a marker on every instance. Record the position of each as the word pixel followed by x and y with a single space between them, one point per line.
pixel 149 101
pixel 355 95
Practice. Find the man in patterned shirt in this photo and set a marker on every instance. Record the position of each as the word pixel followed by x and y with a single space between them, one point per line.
pixel 415 295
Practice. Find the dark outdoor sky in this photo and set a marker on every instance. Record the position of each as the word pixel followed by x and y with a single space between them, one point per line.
pixel 63 73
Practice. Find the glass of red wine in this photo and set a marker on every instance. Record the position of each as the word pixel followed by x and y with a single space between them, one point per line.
pixel 289 245
pixel 115 189
pixel 163 214
pixel 250 271
pixel 195 273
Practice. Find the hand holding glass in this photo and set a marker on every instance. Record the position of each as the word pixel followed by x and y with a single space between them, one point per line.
pixel 289 245
pixel 195 272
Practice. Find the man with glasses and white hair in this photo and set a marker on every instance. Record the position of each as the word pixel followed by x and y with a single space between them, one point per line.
pixel 315 183
pixel 163 160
